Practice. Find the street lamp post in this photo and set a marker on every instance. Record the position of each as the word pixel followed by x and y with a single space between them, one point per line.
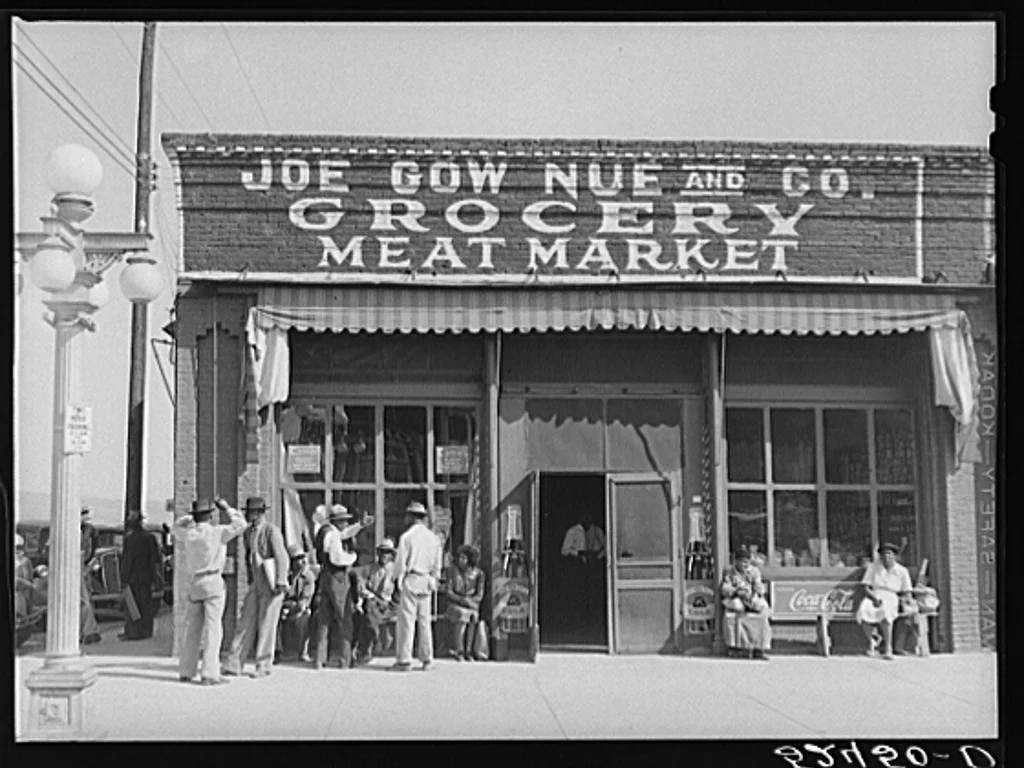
pixel 68 263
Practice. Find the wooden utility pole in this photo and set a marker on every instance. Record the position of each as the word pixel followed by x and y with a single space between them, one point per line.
pixel 140 311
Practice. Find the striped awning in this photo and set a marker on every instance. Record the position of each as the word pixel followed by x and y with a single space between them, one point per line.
pixel 456 310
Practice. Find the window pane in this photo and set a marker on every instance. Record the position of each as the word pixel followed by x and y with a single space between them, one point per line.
pixel 450 510
pixel 748 520
pixel 360 503
pixel 796 529
pixel 848 523
pixel 353 444
pixel 395 502
pixel 894 447
pixel 454 429
pixel 643 513
pixel 744 435
pixel 303 429
pixel 897 523
pixel 846 446
pixel 405 444
pixel 794 454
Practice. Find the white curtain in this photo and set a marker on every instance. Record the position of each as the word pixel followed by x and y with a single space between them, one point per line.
pixel 955 373
pixel 270 360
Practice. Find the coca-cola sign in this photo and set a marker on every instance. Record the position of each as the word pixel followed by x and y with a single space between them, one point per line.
pixel 810 598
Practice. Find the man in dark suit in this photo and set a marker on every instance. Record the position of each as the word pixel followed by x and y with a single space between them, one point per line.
pixel 141 574
pixel 261 610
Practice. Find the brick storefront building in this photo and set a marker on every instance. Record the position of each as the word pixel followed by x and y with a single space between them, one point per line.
pixel 787 346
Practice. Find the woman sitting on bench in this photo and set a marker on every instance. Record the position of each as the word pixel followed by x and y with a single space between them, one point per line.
pixel 747 631
pixel 885 581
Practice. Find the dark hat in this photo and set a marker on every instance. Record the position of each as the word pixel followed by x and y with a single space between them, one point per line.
pixel 742 553
pixel 339 512
pixel 415 508
pixel 86 509
pixel 888 545
pixel 203 507
pixel 255 504
pixel 387 545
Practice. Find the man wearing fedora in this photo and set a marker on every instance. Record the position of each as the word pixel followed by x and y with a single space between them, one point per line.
pixel 372 619
pixel 205 546
pixel 141 574
pixel 885 581
pixel 256 632
pixel 337 585
pixel 295 612
pixel 417 571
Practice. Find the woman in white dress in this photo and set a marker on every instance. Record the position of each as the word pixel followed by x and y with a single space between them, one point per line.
pixel 885 581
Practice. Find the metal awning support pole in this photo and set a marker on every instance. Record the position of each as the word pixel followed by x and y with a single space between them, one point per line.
pixel 714 386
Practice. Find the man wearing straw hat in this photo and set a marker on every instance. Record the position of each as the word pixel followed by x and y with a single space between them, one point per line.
pixel 206 549
pixel 376 612
pixel 337 585
pixel 417 571
pixel 266 565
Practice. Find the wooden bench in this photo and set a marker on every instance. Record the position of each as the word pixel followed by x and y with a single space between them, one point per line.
pixel 824 601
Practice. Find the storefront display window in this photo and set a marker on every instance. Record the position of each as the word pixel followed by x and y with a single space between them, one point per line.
pixel 826 500
pixel 379 457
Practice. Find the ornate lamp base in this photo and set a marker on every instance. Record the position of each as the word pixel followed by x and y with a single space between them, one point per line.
pixel 59 701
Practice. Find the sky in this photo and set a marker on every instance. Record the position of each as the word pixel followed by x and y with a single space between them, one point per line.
pixel 884 82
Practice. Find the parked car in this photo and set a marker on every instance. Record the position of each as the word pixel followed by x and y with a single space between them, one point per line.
pixel 105 566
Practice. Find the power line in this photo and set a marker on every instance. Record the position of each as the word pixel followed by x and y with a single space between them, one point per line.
pixel 246 76
pixel 125 156
pixel 73 88
pixel 117 161
pixel 181 77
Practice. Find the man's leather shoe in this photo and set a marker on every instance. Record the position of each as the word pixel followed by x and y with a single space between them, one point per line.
pixel 396 667
pixel 90 639
pixel 230 672
pixel 261 673
pixel 184 679
pixel 213 681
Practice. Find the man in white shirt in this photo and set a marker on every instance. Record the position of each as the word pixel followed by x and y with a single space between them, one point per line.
pixel 205 551
pixel 417 571
pixel 337 585
pixel 884 582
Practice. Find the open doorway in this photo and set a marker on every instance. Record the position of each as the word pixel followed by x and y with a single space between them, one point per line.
pixel 572 592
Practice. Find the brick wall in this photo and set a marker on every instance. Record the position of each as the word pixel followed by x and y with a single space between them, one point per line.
pixel 230 228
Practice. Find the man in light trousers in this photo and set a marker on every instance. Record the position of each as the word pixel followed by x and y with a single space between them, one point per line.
pixel 261 609
pixel 417 570
pixel 205 551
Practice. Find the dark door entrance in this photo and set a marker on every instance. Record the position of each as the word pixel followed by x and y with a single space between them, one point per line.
pixel 572 594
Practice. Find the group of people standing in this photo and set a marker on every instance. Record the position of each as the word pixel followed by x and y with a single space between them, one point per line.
pixel 285 598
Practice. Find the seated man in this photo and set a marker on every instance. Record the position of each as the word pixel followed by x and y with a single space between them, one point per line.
pixel 885 582
pixel 296 611
pixel 747 630
pixel 375 613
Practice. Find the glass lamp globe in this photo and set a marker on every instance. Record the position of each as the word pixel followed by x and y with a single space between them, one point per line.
pixel 73 169
pixel 140 280
pixel 52 268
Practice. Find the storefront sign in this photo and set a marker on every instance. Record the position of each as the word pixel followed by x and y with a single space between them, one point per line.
pixel 512 604
pixel 452 460
pixel 303 459
pixel 809 598
pixel 985 491
pixel 487 213
pixel 77 429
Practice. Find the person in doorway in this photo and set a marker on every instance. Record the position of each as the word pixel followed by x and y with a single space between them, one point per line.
pixel 141 574
pixel 465 593
pixel 89 628
pixel 22 578
pixel 256 632
pixel 296 610
pixel 205 546
pixel 417 571
pixel 337 585
pixel 376 614
pixel 885 582
pixel 747 629
pixel 575 556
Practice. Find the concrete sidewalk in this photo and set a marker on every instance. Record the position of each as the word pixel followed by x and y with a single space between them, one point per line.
pixel 562 696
